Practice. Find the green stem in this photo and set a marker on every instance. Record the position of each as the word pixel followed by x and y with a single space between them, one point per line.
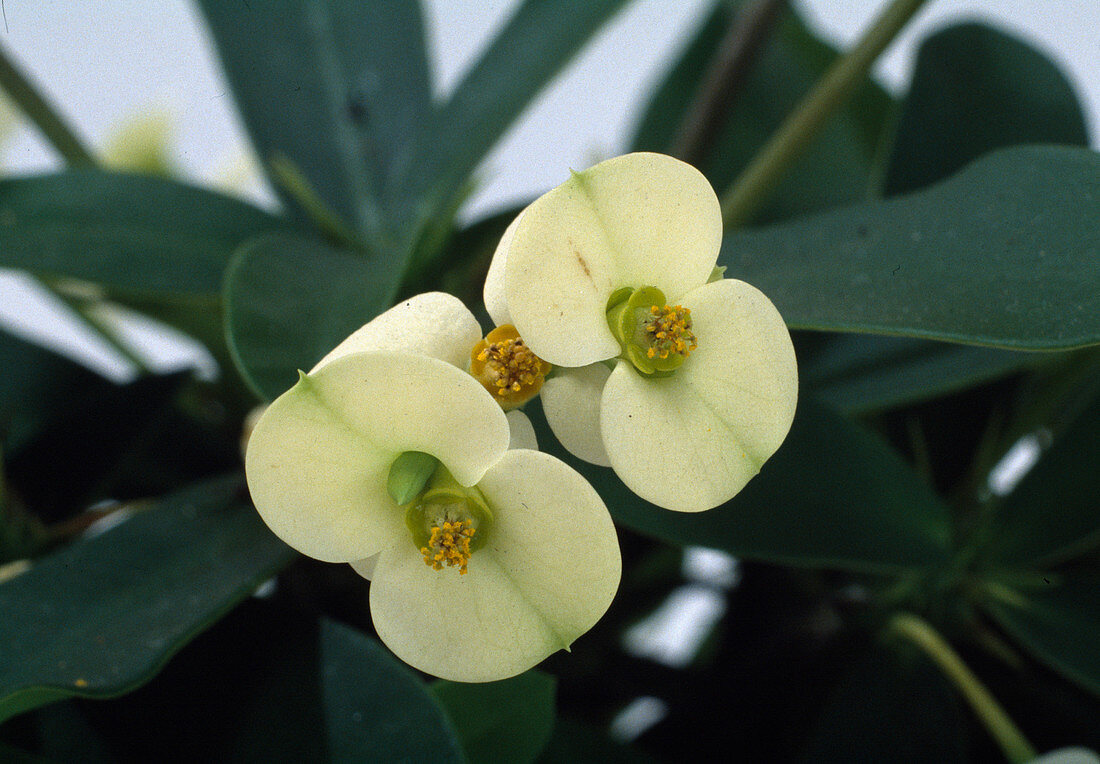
pixel 82 313
pixel 27 98
pixel 295 183
pixel 745 195
pixel 1015 746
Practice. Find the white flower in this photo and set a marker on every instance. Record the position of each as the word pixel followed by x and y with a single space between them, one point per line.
pixel 499 558
pixel 613 268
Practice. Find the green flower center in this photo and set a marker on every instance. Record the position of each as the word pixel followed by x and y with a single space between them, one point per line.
pixel 448 521
pixel 656 337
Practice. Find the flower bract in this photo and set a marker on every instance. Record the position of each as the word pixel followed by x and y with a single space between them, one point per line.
pixel 499 558
pixel 692 381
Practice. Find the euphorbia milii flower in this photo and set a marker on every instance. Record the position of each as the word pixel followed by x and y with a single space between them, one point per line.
pixel 611 278
pixel 488 559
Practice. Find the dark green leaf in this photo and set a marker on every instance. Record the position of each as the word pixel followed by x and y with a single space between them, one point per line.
pixel 1006 253
pixel 538 40
pixel 376 707
pixel 1054 512
pixel 835 168
pixel 129 233
pixel 887 709
pixel 859 373
pixel 104 615
pixel 290 300
pixel 1057 621
pixel 833 496
pixel 266 684
pixel 510 720
pixel 339 87
pixel 976 89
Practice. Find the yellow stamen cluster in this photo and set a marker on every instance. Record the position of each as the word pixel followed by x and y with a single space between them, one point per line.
pixel 449 543
pixel 513 362
pixel 506 367
pixel 668 330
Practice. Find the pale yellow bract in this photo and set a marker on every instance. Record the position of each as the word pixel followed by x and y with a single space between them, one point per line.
pixel 539 574
pixel 686 436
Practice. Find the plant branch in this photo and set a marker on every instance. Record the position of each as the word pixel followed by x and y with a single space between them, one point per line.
pixel 728 72
pixel 39 111
pixel 745 195
pixel 1015 746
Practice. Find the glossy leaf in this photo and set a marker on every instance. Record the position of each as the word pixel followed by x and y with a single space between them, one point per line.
pixel 339 87
pixel 264 684
pixel 860 373
pixel 103 616
pixel 1006 253
pixel 1057 622
pixel 129 233
pixel 976 89
pixel 510 720
pixel 375 704
pixel 289 301
pixel 1053 513
pixel 835 169
pixel 833 496
pixel 539 39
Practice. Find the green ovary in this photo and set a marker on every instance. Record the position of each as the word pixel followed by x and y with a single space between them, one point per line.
pixel 656 337
pixel 448 521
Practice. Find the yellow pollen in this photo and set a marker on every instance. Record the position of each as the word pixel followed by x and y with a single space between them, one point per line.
pixel 506 367
pixel 670 327
pixel 450 544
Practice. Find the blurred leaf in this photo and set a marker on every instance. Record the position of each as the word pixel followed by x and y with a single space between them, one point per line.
pixel 510 720
pixel 887 710
pixel 1057 622
pixel 1054 512
pixel 976 89
pixel 859 373
pixel 103 616
pixel 834 170
pixel 833 496
pixel 339 87
pixel 460 267
pixel 539 39
pixel 265 684
pixel 289 300
pixel 1006 253
pixel 64 467
pixel 129 233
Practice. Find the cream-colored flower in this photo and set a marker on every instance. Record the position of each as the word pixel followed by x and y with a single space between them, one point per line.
pixel 608 277
pixel 494 558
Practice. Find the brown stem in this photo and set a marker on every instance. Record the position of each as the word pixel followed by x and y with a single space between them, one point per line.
pixel 729 70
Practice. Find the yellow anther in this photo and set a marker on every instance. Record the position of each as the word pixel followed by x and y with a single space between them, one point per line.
pixel 506 367
pixel 671 330
pixel 450 544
